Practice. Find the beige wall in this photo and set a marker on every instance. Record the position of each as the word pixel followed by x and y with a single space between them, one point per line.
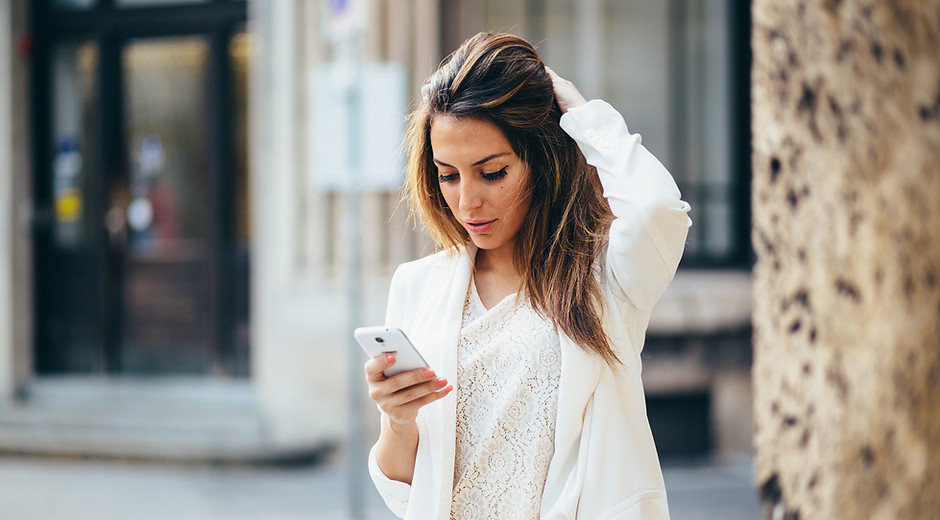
pixel 846 119
pixel 301 323
pixel 15 260
pixel 300 310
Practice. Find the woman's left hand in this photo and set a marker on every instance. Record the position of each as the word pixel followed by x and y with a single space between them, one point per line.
pixel 566 93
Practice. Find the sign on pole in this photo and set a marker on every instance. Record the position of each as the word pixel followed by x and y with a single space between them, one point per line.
pixel 344 24
pixel 343 19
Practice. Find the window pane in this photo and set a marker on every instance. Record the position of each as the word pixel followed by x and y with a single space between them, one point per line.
pixel 70 335
pixel 666 67
pixel 74 126
pixel 72 5
pixel 701 62
pixel 636 38
pixel 153 3
pixel 241 50
pixel 166 134
pixel 499 14
pixel 558 49
pixel 165 295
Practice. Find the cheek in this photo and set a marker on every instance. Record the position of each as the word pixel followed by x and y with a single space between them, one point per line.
pixel 519 198
pixel 521 208
pixel 449 195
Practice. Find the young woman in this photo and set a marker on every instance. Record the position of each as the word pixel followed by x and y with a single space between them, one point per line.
pixel 558 232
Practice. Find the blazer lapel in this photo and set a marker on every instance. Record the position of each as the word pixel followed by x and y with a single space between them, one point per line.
pixel 451 317
pixel 580 374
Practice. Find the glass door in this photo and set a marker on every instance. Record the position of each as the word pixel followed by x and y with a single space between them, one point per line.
pixel 162 207
pixel 141 234
pixel 70 280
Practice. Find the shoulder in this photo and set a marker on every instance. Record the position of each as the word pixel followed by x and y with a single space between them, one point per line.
pixel 426 269
pixel 435 260
pixel 421 281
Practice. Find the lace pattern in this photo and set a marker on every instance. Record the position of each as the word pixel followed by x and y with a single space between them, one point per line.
pixel 508 370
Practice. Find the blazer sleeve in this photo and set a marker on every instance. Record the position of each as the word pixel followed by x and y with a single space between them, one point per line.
pixel 395 494
pixel 651 223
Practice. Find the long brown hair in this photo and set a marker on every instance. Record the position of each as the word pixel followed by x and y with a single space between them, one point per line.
pixel 500 78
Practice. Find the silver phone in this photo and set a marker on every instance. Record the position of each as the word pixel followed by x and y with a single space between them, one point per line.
pixel 383 340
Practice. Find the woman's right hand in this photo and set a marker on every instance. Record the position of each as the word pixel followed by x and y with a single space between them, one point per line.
pixel 566 93
pixel 402 395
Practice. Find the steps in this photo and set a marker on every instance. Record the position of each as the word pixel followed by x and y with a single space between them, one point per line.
pixel 182 420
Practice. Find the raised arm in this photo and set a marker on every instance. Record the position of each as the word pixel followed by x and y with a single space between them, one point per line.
pixel 648 236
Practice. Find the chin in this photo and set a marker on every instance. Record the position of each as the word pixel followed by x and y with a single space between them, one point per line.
pixel 482 242
pixel 488 245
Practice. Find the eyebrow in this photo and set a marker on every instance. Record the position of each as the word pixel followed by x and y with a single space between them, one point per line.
pixel 481 161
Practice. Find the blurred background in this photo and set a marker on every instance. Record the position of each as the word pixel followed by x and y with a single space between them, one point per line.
pixel 200 201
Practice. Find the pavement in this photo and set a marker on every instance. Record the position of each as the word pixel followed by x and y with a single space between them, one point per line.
pixel 72 489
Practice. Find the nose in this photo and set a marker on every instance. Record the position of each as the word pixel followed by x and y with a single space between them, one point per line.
pixel 471 196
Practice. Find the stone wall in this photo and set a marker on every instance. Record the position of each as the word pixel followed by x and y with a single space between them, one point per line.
pixel 15 248
pixel 846 135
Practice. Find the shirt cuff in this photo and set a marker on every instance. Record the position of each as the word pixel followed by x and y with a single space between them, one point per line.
pixel 394 493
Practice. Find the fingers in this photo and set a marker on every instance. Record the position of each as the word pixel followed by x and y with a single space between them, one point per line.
pixel 375 372
pixel 557 80
pixel 402 395
pixel 417 391
pixel 374 368
pixel 396 389
pixel 409 411
pixel 566 93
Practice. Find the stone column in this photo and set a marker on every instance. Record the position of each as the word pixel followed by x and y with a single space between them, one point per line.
pixel 16 288
pixel 846 135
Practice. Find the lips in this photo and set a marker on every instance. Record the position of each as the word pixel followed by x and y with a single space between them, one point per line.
pixel 479 226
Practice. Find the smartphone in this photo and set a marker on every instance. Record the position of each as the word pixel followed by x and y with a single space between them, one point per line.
pixel 383 340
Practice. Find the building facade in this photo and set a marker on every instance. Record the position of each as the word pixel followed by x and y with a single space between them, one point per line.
pixel 199 200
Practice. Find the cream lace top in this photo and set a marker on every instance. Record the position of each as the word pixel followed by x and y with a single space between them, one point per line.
pixel 508 370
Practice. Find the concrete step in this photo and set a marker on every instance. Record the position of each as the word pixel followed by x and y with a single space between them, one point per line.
pixel 187 420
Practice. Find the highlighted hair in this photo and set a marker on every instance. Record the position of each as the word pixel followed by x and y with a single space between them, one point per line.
pixel 501 79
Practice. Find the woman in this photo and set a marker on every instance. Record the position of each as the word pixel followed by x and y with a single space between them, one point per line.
pixel 558 232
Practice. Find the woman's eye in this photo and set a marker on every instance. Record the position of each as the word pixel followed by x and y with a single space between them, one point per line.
pixel 446 177
pixel 495 176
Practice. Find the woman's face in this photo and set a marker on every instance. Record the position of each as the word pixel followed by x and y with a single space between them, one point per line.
pixel 484 182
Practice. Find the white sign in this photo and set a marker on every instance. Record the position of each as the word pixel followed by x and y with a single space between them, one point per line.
pixel 382 111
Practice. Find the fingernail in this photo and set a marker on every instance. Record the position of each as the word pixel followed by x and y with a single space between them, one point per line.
pixel 389 358
pixel 428 372
pixel 441 382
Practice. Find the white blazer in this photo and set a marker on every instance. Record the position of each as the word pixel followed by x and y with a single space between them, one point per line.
pixel 605 464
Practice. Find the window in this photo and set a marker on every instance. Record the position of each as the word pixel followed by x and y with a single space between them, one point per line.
pixel 677 70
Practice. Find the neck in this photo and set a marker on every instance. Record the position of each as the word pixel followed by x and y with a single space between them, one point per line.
pixel 498 260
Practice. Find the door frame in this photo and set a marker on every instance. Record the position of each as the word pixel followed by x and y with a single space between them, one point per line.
pixel 112 27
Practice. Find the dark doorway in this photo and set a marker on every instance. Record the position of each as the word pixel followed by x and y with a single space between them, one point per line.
pixel 681 423
pixel 141 186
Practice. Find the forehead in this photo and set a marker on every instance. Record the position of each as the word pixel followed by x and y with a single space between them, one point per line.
pixel 466 139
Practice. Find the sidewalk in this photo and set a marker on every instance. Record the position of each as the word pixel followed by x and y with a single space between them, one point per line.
pixel 55 489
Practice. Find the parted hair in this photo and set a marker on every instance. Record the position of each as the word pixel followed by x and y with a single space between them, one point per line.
pixel 501 79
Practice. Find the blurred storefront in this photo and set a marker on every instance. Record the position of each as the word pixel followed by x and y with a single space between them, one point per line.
pixel 174 187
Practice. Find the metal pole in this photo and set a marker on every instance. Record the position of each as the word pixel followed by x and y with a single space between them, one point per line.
pixel 350 53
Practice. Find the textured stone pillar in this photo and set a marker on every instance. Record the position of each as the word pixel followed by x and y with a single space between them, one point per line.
pixel 846 122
